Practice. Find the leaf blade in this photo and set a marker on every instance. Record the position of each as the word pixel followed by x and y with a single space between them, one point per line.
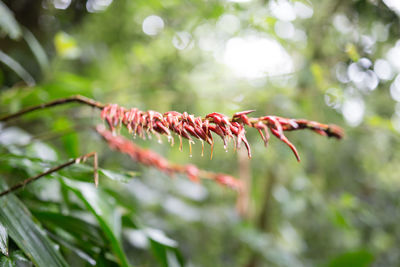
pixel 8 23
pixel 107 216
pixel 26 234
pixel 17 68
pixel 3 240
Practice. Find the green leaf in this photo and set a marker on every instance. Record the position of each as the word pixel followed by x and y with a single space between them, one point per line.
pixel 78 252
pixel 8 24
pixel 6 262
pixel 164 248
pixel 19 256
pixel 70 140
pixel 116 176
pixel 167 256
pixel 3 240
pixel 84 172
pixel 37 49
pixel 75 226
pixel 79 172
pixel 361 258
pixel 26 234
pixel 159 252
pixel 17 68
pixel 158 236
pixel 108 217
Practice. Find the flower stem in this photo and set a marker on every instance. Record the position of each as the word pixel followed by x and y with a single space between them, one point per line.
pixel 55 169
pixel 77 98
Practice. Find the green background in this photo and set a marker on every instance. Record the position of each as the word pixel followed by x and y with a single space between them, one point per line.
pixel 328 61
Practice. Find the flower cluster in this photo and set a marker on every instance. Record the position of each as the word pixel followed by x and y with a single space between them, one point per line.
pixel 188 126
pixel 150 158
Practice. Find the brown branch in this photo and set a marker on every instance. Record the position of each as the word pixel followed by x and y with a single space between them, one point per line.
pixel 55 169
pixel 76 98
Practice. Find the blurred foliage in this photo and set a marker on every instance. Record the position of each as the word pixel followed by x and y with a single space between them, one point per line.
pixel 329 61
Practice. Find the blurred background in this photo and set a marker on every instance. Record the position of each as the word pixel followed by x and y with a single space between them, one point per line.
pixel 329 61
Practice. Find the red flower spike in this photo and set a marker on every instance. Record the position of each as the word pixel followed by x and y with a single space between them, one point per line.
pixel 192 173
pixel 190 129
pixel 104 112
pixel 287 122
pixel 234 129
pixel 242 116
pixel 238 114
pixel 183 132
pixel 241 137
pixel 320 132
pixel 160 128
pixel 229 181
pixel 216 129
pixel 221 120
pixel 187 126
pixel 152 159
pixel 200 133
pixel 275 123
pixel 192 120
pixel 285 140
pixel 260 126
pixel 334 131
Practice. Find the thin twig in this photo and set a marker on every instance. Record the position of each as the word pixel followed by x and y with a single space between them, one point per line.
pixel 76 98
pixel 55 169
pixel 95 167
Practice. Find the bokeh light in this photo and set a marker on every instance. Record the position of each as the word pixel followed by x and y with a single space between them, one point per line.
pixel 353 110
pixel 383 69
pixel 152 25
pixel 395 89
pixel 256 57
pixel 182 40
pixel 61 4
pixel 282 10
pixel 97 5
